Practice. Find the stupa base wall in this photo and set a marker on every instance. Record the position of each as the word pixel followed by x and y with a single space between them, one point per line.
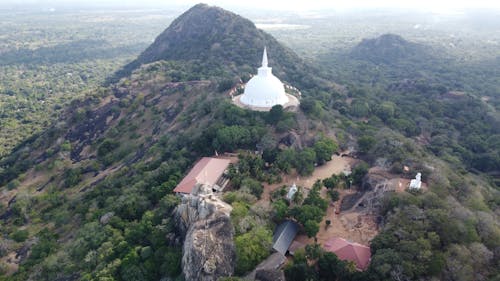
pixel 293 103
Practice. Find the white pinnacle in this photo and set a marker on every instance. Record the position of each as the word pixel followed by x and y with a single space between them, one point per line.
pixel 264 58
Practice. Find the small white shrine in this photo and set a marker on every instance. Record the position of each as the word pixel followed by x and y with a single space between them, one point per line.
pixel 416 183
pixel 291 192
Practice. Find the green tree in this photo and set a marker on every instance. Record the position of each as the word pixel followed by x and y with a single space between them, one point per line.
pixel 280 210
pixel 330 267
pixel 334 195
pixel 331 182
pixel 275 114
pixel 286 160
pixel 254 186
pixel 106 147
pixel 311 107
pixel 365 143
pixel 314 197
pixel 251 248
pixel 305 161
pixel 311 228
pixel 72 177
pixel 306 213
pixel 298 197
pixel 232 137
pixel 20 235
pixel 385 111
pixel 131 269
pixel 359 172
pixel 172 261
pixel 324 148
pixel 299 272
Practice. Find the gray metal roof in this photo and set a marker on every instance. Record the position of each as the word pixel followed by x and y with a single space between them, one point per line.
pixel 284 235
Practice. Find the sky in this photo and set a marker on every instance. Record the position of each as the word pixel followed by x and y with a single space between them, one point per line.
pixel 291 5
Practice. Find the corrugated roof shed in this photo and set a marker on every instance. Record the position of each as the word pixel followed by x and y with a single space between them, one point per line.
pixel 207 171
pixel 284 235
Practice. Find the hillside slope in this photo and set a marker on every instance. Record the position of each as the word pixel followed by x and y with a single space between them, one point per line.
pixel 91 197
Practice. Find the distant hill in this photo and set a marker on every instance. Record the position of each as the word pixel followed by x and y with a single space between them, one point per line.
pixel 219 41
pixel 390 49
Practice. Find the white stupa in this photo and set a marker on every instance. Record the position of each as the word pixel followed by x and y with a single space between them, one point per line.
pixel 264 89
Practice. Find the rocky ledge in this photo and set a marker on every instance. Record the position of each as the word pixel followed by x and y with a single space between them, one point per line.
pixel 208 251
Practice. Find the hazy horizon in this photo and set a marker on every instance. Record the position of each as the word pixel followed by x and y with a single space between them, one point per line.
pixel 444 7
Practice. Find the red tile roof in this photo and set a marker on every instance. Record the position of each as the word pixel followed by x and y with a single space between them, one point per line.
pixel 346 250
pixel 206 171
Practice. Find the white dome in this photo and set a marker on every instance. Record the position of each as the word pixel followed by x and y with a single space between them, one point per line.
pixel 264 89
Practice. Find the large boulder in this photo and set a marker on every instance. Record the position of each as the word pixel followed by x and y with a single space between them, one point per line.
pixel 208 251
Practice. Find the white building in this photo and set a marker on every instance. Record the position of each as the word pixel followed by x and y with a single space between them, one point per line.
pixel 264 90
pixel 291 192
pixel 417 182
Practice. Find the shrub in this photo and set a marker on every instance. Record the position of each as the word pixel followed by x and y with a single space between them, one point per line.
pixel 20 235
pixel 106 147
pixel 253 186
pixel 13 184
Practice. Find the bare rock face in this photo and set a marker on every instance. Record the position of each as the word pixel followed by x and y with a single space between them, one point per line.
pixel 106 218
pixel 208 251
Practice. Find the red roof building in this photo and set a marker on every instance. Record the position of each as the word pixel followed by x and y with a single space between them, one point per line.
pixel 345 250
pixel 206 171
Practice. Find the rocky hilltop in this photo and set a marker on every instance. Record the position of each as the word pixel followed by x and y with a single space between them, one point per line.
pixel 221 44
pixel 208 251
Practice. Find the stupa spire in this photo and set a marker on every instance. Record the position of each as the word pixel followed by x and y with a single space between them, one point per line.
pixel 264 58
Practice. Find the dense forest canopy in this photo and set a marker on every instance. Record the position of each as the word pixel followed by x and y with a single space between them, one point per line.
pixel 48 59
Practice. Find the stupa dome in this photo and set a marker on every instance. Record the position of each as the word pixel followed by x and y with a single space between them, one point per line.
pixel 264 89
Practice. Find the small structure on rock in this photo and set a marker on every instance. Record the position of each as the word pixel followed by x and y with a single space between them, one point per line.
pixel 209 171
pixel 417 182
pixel 345 250
pixel 284 235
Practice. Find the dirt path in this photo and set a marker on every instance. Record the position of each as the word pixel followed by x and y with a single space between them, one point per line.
pixel 335 166
pixel 352 225
pixel 11 263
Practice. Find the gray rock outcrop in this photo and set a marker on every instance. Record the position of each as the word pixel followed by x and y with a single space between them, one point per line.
pixel 208 251
pixel 269 275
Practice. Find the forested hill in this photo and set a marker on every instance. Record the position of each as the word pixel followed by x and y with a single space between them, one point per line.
pixel 390 49
pixel 222 44
pixel 90 198
pixel 451 107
